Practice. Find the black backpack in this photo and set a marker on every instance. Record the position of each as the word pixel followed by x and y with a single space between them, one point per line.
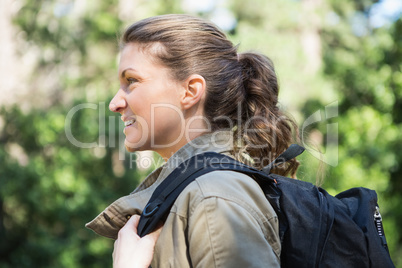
pixel 315 228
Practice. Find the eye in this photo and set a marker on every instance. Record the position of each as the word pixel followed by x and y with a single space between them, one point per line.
pixel 131 80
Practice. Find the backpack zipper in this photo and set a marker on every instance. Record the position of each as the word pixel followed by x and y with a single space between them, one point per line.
pixel 379 227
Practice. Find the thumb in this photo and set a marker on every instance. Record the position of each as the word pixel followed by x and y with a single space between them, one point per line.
pixel 154 235
pixel 132 223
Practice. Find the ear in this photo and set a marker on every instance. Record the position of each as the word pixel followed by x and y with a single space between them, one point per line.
pixel 195 86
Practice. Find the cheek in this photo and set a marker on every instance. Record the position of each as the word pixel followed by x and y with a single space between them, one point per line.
pixel 137 134
pixel 139 105
pixel 166 114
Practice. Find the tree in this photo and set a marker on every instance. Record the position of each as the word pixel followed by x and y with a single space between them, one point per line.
pixel 363 63
pixel 49 187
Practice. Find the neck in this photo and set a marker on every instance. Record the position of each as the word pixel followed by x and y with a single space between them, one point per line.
pixel 192 130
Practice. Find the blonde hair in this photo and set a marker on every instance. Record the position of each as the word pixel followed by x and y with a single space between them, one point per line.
pixel 241 88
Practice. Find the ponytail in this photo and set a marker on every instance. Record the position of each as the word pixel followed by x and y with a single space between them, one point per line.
pixel 266 132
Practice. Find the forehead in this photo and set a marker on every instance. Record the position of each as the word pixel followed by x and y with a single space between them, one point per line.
pixel 131 54
pixel 134 53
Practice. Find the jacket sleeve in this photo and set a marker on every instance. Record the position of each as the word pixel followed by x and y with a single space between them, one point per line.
pixel 232 235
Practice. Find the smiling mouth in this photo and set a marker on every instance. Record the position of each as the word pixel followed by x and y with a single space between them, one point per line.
pixel 129 122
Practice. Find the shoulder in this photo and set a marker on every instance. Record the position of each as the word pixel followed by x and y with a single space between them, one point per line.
pixel 229 200
pixel 227 186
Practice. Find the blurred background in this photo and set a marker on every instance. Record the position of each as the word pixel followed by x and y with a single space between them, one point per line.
pixel 61 160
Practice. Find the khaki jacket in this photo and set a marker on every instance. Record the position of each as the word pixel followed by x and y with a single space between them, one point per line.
pixel 222 219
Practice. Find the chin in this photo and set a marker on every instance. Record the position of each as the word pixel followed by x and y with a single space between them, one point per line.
pixel 130 149
pixel 135 146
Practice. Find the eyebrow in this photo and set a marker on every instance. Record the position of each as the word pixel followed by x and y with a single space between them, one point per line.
pixel 123 74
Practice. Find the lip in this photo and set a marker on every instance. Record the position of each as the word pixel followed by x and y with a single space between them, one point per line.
pixel 128 121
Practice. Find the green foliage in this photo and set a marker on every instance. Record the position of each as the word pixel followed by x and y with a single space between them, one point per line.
pixel 365 71
pixel 50 189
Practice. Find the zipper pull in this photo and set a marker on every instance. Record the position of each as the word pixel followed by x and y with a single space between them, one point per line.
pixel 379 227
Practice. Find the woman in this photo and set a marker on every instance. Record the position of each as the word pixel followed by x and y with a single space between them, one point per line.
pixel 185 90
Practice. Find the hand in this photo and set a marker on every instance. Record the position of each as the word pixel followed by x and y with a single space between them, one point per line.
pixel 132 251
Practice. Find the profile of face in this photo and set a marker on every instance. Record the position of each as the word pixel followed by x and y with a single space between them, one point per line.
pixel 149 101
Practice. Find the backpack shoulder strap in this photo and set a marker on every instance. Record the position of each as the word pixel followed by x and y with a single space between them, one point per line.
pixel 166 193
pixel 293 151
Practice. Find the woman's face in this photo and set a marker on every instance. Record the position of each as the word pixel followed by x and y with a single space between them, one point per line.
pixel 148 101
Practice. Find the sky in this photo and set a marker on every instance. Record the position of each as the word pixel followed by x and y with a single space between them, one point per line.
pixel 385 12
pixel 380 14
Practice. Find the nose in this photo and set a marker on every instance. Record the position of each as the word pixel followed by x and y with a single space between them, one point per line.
pixel 118 103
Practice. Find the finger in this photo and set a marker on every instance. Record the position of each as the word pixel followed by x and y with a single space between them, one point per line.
pixel 135 219
pixel 132 223
pixel 114 249
pixel 155 234
pixel 130 227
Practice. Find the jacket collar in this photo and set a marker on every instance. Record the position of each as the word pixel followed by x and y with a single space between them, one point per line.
pixel 112 219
